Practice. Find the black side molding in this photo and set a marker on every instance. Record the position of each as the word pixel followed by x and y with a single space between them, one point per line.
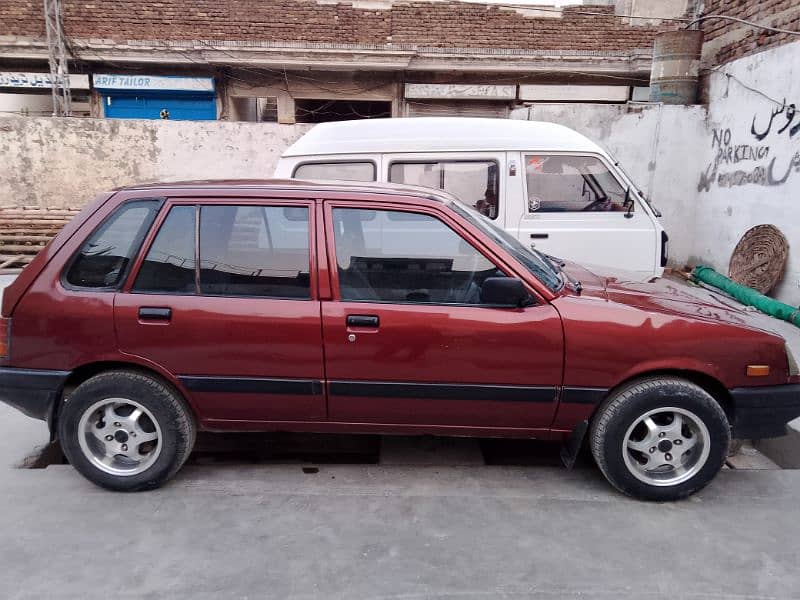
pixel 252 385
pixel 583 395
pixel 443 391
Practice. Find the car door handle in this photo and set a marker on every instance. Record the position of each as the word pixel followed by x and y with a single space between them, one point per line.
pixel 540 236
pixel 155 313
pixel 363 321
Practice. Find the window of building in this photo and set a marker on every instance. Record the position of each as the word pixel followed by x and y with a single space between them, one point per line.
pixel 322 111
pixel 255 251
pixel 475 183
pixel 558 183
pixel 106 256
pixel 254 109
pixel 169 266
pixel 341 171
pixel 406 260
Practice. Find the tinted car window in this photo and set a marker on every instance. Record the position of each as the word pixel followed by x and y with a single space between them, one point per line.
pixel 342 171
pixel 475 183
pixel 105 257
pixel 406 260
pixel 169 266
pixel 254 251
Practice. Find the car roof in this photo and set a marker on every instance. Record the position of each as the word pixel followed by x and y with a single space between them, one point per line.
pixel 276 186
pixel 441 134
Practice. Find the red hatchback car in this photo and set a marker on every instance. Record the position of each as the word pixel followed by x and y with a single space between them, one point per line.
pixel 292 306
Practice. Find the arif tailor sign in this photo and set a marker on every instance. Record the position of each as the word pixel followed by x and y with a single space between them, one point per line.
pixel 157 97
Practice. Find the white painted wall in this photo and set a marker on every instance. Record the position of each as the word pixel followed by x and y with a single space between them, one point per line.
pixel 735 191
pixel 49 162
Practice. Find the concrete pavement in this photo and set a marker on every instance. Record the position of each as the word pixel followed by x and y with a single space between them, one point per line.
pixel 390 531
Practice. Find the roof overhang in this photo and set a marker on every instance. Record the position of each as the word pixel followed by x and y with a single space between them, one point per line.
pixel 318 56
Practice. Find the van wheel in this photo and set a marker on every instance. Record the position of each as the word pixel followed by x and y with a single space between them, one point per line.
pixel 660 438
pixel 126 431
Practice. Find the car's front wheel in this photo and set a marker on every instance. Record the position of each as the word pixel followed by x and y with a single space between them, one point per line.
pixel 660 438
pixel 125 430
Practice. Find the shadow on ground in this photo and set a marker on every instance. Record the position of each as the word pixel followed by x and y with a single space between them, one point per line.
pixel 301 448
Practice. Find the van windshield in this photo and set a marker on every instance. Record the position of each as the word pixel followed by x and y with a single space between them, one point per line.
pixel 535 262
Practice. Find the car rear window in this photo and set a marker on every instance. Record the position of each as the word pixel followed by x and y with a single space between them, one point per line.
pixel 244 250
pixel 169 266
pixel 105 257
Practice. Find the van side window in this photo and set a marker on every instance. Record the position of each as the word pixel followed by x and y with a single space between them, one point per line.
pixel 169 265
pixel 341 171
pixel 559 183
pixel 416 259
pixel 255 251
pixel 103 260
pixel 475 183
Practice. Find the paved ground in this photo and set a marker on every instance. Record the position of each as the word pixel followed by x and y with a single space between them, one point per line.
pixel 461 530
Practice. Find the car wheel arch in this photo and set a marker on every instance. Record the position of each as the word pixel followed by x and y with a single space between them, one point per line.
pixel 86 371
pixel 713 386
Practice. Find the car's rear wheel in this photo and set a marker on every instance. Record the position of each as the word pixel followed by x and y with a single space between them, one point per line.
pixel 125 430
pixel 660 438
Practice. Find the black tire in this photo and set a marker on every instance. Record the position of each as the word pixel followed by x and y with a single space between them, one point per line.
pixel 161 400
pixel 632 401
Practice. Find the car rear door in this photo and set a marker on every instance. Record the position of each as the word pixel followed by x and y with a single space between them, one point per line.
pixel 224 298
pixel 407 340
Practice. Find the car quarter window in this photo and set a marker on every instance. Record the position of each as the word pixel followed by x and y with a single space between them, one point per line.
pixel 342 171
pixel 475 183
pixel 105 257
pixel 244 250
pixel 402 257
pixel 561 183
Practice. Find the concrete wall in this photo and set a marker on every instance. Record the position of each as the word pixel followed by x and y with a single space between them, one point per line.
pixel 661 148
pixel 49 162
pixel 752 175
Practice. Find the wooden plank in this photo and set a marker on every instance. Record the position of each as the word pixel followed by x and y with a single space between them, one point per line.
pixel 39 239
pixel 9 248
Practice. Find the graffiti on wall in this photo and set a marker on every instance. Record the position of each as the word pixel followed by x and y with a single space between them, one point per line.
pixel 752 162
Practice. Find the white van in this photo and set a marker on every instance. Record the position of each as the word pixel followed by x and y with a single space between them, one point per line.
pixel 548 185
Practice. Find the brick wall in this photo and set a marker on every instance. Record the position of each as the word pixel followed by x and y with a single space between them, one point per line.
pixel 729 40
pixel 441 24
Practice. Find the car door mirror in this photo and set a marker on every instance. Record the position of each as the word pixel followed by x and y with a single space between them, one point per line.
pixel 504 291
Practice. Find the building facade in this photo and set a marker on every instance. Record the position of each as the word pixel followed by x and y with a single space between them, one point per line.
pixel 319 60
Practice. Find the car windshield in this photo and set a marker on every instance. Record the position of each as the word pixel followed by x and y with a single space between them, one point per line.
pixel 535 262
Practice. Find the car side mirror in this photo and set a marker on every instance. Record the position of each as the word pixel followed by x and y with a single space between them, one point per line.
pixel 504 291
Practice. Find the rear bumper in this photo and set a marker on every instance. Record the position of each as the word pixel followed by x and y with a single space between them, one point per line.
pixel 762 412
pixel 32 391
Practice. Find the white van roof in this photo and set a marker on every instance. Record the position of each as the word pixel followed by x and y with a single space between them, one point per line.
pixel 441 134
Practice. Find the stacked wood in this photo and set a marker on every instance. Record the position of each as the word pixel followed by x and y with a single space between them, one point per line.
pixel 25 231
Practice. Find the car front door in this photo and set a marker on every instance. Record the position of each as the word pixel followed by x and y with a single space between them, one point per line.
pixel 573 207
pixel 407 338
pixel 224 298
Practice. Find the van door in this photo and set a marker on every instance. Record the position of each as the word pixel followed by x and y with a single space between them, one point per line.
pixel 476 179
pixel 575 208
pixel 225 300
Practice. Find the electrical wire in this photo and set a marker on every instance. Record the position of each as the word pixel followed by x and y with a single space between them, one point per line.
pixel 743 22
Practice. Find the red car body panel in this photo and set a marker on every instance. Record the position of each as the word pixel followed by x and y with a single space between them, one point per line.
pixel 274 364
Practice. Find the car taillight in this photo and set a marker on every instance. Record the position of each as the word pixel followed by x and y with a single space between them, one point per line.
pixel 5 337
